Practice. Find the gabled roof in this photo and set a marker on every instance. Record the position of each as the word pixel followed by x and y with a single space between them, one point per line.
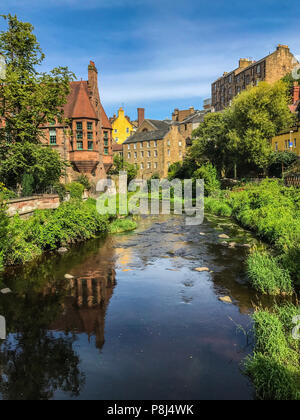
pixel 197 117
pixel 105 121
pixel 147 136
pixel 78 103
pixel 158 125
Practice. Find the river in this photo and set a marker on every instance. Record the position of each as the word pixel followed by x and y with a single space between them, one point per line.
pixel 136 322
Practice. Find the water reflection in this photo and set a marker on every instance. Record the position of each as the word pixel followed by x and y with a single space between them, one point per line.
pixel 136 321
pixel 44 315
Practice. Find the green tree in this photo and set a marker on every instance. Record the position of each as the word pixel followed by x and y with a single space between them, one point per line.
pixel 212 143
pixel 42 164
pixel 28 98
pixel 209 174
pixel 255 117
pixel 120 165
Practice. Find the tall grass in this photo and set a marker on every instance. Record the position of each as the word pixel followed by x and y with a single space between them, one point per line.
pixel 267 276
pixel 274 367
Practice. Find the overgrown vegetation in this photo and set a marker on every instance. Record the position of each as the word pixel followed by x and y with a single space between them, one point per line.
pixel 275 365
pixel 122 225
pixel 50 229
pixel 267 276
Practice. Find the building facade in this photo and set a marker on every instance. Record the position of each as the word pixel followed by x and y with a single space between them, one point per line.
pixel 85 140
pixel 289 140
pixel 249 73
pixel 154 147
pixel 122 127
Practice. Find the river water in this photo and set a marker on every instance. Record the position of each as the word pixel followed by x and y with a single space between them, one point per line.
pixel 136 322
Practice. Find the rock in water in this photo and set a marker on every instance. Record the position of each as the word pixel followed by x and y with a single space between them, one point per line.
pixel 202 269
pixel 225 299
pixel 5 291
pixel 69 277
pixel 202 234
pixel 62 250
pixel 223 236
pixel 232 245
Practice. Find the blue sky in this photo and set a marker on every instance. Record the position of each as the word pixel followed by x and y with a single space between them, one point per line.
pixel 157 54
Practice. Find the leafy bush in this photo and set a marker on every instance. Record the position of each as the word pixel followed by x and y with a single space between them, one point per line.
pixel 122 225
pixel 5 193
pixel 209 174
pixel 27 185
pixel 83 180
pixel 61 191
pixel 218 207
pixel 75 189
pixel 267 276
pixel 42 163
pixel 49 229
pixel 274 367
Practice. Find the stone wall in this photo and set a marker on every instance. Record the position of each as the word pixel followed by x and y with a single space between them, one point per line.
pixel 26 206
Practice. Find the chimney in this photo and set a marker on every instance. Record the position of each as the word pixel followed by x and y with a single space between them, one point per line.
pixel 141 116
pixel 296 92
pixel 93 78
pixel 244 62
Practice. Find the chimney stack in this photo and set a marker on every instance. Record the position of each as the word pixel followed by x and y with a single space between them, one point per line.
pixel 296 92
pixel 141 116
pixel 93 78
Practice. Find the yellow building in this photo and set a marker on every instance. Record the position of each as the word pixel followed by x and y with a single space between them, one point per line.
pixel 122 127
pixel 288 140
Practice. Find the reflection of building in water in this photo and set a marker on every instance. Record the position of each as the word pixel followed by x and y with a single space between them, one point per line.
pixel 85 307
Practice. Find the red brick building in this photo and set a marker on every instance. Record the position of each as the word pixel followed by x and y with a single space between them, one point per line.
pixel 86 139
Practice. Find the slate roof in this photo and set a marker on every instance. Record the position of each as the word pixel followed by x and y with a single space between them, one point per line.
pixel 159 125
pixel 147 136
pixel 197 117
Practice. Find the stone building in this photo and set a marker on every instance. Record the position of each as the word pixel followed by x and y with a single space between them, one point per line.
pixel 191 123
pixel 85 140
pixel 154 147
pixel 249 73
pixel 289 140
pixel 122 127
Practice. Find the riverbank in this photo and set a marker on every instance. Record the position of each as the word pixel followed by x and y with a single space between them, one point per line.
pixel 48 230
pixel 271 211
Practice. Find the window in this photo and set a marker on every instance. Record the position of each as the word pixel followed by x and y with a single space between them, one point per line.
pixel 135 155
pixel 276 146
pixel 79 145
pixel 141 145
pixel 90 126
pixel 155 165
pixel 155 144
pixel 258 69
pixel 79 126
pixel 90 135
pixel 128 147
pixel 180 153
pixel 149 153
pixel 79 135
pixel 142 166
pixel 230 78
pixel 90 145
pixel 52 133
pixel 295 142
pixel 148 144
pixel 149 165
pixel 117 139
pixel 105 133
pixel 105 142
pixel 116 131
pixel 106 151
pixel 155 153
pixel 127 130
pixel 134 146
pixel 142 154
pixel 129 155
pixel 179 143
pixel 169 143
pixel 169 152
